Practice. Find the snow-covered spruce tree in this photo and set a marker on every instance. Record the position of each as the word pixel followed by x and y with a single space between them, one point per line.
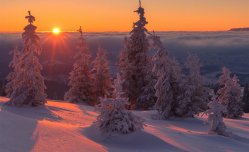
pixel 215 118
pixel 102 77
pixel 118 89
pixel 114 117
pixel 246 98
pixel 81 79
pixel 168 86
pixel 28 88
pixel 11 78
pixel 235 107
pixel 196 95
pixel 135 63
pixel 229 94
pixel 162 70
pixel 148 98
pixel 123 62
pixel 225 77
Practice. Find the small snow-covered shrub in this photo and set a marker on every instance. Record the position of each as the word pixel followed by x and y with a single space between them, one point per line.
pixel 215 118
pixel 115 118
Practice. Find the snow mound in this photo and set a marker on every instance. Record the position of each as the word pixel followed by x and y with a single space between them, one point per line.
pixel 67 127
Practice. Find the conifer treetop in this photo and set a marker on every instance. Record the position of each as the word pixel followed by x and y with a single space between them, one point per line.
pixel 81 46
pixel 225 77
pixel 30 18
pixel 81 32
pixel 142 20
pixel 30 38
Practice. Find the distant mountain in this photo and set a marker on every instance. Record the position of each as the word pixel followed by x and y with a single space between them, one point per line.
pixel 240 29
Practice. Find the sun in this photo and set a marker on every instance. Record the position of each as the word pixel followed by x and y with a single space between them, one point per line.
pixel 56 31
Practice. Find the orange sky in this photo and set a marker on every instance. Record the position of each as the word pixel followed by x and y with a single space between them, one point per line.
pixel 117 15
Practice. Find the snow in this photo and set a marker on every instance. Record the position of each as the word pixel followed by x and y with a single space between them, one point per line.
pixel 67 127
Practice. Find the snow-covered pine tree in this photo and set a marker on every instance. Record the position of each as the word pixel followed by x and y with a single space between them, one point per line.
pixel 11 78
pixel 135 63
pixel 229 94
pixel 196 95
pixel 123 61
pixel 246 98
pixel 118 90
pixel 161 70
pixel 235 106
pixel 114 117
pixel 215 118
pixel 29 87
pixel 168 86
pixel 147 99
pixel 102 77
pixel 225 77
pixel 81 79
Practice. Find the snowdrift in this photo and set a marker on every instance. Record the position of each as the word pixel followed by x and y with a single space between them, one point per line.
pixel 66 127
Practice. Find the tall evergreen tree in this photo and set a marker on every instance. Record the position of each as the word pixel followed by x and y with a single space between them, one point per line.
pixel 29 87
pixel 196 96
pixel 246 98
pixel 162 69
pixel 229 94
pixel 168 86
pixel 147 99
pixel 81 79
pixel 102 77
pixel 11 78
pixel 134 61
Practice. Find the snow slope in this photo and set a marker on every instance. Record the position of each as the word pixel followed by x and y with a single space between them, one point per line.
pixel 66 127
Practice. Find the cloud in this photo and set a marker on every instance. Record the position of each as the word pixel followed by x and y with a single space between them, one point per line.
pixel 215 49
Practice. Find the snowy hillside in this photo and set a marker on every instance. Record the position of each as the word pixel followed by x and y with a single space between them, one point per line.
pixel 65 127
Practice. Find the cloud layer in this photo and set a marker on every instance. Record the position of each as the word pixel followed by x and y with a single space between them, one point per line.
pixel 216 49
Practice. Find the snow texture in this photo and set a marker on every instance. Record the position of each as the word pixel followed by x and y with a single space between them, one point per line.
pixel 67 127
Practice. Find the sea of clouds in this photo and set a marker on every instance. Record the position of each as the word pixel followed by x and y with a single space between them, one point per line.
pixel 215 49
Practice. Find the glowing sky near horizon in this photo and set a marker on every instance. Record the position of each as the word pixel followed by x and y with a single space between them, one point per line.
pixel 118 15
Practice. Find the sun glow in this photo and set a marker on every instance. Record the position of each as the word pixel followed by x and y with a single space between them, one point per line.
pixel 56 31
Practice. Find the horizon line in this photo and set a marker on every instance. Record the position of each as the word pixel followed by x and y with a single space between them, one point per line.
pixel 3 32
